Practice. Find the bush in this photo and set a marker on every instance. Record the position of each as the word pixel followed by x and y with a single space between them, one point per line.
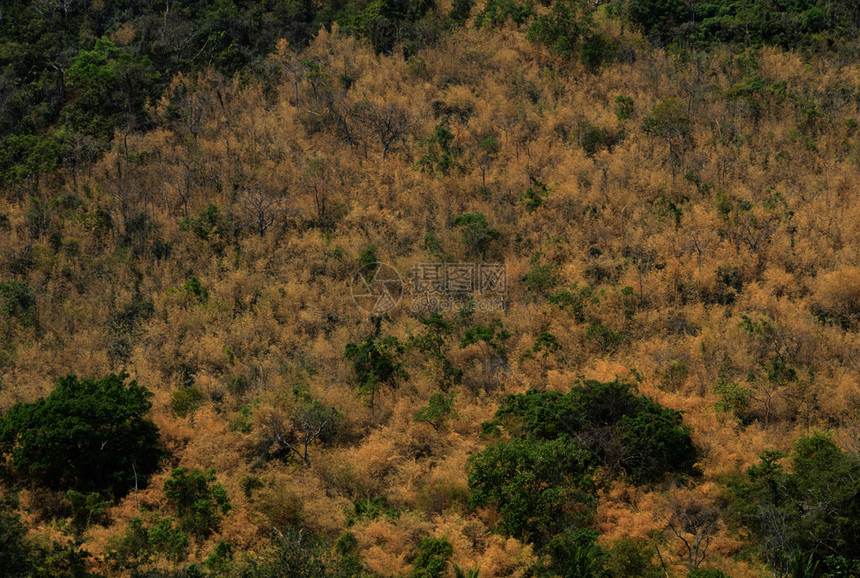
pixel 186 400
pixel 809 515
pixel 87 435
pixel 623 430
pixel 199 500
pixel 432 560
pixel 17 300
pixel 532 483
pixel 15 551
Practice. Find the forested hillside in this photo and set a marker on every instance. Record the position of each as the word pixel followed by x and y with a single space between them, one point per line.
pixel 430 289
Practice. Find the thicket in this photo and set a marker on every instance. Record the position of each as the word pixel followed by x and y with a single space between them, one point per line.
pixel 188 198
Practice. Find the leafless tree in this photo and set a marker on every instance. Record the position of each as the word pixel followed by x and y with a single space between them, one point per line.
pixel 693 522
pixel 389 122
pixel 261 209
pixel 310 423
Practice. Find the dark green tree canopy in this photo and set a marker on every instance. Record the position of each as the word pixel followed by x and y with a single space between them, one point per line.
pixel 533 484
pixel 87 435
pixel 811 514
pixel 625 431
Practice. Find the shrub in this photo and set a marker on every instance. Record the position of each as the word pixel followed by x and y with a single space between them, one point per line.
pixel 432 560
pixel 199 500
pixel 17 300
pixel 186 400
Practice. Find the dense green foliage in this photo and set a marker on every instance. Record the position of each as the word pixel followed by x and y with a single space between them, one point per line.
pixel 541 480
pixel 87 435
pixel 432 560
pixel 199 500
pixel 532 483
pixel 376 362
pixel 624 431
pixel 810 513
pixel 804 23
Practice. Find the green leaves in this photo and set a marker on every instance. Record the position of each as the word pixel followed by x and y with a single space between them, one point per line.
pixel 432 560
pixel 562 29
pixel 439 409
pixel 87 435
pixel 376 362
pixel 17 300
pixel 199 500
pixel 810 515
pixel 624 431
pixel 144 545
pixel 530 482
pixel 477 233
pixel 541 481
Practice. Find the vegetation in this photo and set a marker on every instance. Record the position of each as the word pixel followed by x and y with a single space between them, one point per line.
pixel 88 434
pixel 624 236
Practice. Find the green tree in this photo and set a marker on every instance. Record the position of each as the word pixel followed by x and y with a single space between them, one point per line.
pixel 199 500
pixel 668 121
pixel 575 554
pixel 488 151
pixel 144 545
pixel 441 155
pixel 113 86
pixel 531 483
pixel 17 300
pixel 808 512
pixel 491 339
pixel 87 509
pixel 623 430
pixel 535 194
pixel 477 233
pixel 87 435
pixel 433 343
pixel 15 550
pixel 376 362
pixel 432 560
pixel 563 27
pixel 439 409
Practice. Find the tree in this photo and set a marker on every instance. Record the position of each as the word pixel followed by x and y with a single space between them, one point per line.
pixel 199 500
pixel 576 554
pixel 624 431
pixel 811 513
pixel 311 422
pixel 491 340
pixel 441 155
pixel 488 150
pixel 562 28
pixel 439 409
pixel 532 484
pixel 15 550
pixel 432 560
pixel 143 546
pixel 668 121
pixel 376 362
pixel 261 209
pixel 87 435
pixel 694 522
pixel 389 122
pixel 17 300
pixel 433 343
pixel 477 233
